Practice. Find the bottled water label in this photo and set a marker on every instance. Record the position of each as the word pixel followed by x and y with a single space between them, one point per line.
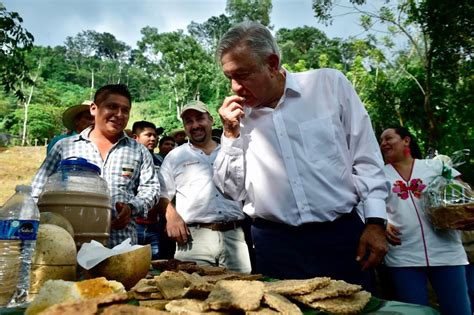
pixel 18 229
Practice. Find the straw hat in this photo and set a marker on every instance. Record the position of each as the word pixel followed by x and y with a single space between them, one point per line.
pixel 176 131
pixel 70 114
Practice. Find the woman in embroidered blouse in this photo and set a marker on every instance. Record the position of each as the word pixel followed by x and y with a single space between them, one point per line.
pixel 417 251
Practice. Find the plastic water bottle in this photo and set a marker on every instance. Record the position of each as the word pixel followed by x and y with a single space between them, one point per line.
pixel 19 221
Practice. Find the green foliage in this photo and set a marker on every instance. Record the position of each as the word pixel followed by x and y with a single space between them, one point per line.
pixel 15 42
pixel 209 32
pixel 430 83
pixel 43 122
pixel 424 87
pixel 184 68
pixel 322 9
pixel 252 10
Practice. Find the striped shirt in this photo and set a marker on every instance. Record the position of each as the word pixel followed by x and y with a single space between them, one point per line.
pixel 128 170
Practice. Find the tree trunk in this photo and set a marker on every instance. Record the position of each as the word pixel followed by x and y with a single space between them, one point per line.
pixel 432 127
pixel 92 85
pixel 25 116
pixel 27 104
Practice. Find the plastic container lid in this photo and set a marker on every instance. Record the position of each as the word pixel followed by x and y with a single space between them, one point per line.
pixel 81 162
pixel 23 188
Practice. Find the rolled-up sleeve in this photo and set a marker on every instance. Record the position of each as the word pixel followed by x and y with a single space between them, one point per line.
pixel 47 168
pixel 148 190
pixel 168 189
pixel 229 168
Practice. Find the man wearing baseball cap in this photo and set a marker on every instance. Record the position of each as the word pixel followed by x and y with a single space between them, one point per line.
pixel 76 118
pixel 206 225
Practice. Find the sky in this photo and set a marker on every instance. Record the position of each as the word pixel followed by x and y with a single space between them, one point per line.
pixel 51 21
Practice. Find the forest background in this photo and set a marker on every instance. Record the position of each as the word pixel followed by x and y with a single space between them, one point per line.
pixel 425 86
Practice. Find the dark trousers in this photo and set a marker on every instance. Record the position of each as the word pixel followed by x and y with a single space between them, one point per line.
pixel 149 234
pixel 311 250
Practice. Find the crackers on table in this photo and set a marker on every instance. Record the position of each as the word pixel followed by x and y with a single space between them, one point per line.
pixel 262 311
pixel 236 294
pixel 281 304
pixel 127 309
pixel 198 290
pixel 212 270
pixel 186 306
pixel 334 289
pixel 84 307
pixel 231 275
pixel 145 286
pixel 189 268
pixel 145 296
pixel 111 298
pixel 170 264
pixel 155 304
pixel 343 305
pixel 246 276
pixel 193 278
pixel 217 278
pixel 297 287
pixel 197 287
pixel 171 284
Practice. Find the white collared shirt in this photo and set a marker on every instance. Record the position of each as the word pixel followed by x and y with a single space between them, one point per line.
pixel 187 174
pixel 312 158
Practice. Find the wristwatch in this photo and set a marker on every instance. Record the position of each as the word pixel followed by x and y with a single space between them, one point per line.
pixel 379 221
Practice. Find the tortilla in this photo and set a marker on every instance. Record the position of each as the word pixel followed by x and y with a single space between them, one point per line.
pixel 334 289
pixel 236 294
pixel 297 287
pixel 281 304
pixel 343 305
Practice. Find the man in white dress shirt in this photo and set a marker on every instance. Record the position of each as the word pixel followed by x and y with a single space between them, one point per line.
pixel 206 225
pixel 299 149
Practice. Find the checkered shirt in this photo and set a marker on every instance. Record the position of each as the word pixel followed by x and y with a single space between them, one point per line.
pixel 128 170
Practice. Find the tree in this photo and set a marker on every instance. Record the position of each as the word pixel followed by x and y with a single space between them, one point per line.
pixel 183 67
pixel 15 42
pixel 108 47
pixel 252 10
pixel 210 32
pixel 426 25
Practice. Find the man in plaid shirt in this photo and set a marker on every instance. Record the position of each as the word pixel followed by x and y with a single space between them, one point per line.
pixel 126 165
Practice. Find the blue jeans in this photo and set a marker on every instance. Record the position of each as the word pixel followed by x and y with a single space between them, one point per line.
pixel 149 234
pixel 314 249
pixel 449 283
pixel 470 284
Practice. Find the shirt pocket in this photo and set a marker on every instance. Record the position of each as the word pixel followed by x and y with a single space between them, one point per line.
pixel 318 139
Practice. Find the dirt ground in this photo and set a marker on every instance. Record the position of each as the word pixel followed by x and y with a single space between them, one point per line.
pixel 18 165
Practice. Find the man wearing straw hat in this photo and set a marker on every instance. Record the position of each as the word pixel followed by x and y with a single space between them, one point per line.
pixel 76 118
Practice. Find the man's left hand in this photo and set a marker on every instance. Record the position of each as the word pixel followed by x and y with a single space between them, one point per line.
pixel 372 246
pixel 124 216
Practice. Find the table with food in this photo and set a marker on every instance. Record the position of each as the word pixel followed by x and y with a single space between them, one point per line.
pixel 70 270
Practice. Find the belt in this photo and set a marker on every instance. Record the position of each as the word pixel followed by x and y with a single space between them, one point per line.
pixel 259 222
pixel 218 226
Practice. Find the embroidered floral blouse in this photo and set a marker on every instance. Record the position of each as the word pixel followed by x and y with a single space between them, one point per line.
pixel 422 244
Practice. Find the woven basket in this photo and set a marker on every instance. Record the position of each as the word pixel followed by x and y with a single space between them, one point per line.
pixel 445 217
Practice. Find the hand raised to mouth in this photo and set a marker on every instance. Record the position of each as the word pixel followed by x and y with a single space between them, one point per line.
pixel 231 112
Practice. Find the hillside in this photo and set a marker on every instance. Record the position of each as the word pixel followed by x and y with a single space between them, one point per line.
pixel 18 165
